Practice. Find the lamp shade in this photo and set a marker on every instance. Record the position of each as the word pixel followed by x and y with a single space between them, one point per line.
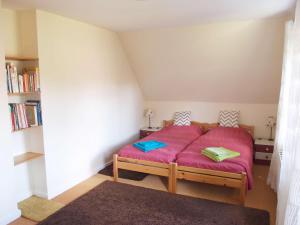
pixel 271 121
pixel 149 113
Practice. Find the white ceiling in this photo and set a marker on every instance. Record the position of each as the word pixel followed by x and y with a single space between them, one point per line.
pixel 122 15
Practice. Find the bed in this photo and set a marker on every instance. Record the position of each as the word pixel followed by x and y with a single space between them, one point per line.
pixel 181 141
pixel 161 161
pixel 235 172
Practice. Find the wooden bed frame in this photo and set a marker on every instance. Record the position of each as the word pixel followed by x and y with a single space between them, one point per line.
pixel 174 172
pixel 143 166
pixel 208 126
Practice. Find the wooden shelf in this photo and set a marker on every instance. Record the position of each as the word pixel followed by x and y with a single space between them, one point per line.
pixel 17 58
pixel 26 157
pixel 26 128
pixel 23 93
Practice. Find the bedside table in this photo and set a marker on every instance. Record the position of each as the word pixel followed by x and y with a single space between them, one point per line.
pixel 263 149
pixel 144 132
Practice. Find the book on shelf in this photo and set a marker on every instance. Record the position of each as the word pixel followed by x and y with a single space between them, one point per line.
pixel 25 115
pixel 34 108
pixel 31 115
pixel 28 81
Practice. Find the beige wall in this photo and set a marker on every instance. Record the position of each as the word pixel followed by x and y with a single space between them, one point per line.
pixel 8 202
pixel 10 27
pixel 89 94
pixel 91 101
pixel 20 32
pixel 28 33
pixel 20 39
pixel 207 68
pixel 236 62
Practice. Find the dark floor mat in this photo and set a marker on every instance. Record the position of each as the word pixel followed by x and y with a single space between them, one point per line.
pixel 126 174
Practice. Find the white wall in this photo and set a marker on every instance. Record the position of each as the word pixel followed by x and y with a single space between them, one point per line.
pixel 20 39
pixel 8 203
pixel 251 114
pixel 11 31
pixel 28 33
pixel 91 100
pixel 220 62
pixel 209 67
pixel 19 29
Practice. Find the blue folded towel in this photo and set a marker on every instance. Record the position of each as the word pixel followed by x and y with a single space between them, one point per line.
pixel 147 146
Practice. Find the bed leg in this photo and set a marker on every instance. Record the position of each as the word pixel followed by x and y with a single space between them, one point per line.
pixel 172 177
pixel 243 188
pixel 170 188
pixel 115 165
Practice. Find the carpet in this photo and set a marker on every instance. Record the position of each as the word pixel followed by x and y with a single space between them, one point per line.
pixel 116 203
pixel 38 209
pixel 126 174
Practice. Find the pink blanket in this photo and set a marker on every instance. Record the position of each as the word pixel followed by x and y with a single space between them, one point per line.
pixel 176 138
pixel 232 138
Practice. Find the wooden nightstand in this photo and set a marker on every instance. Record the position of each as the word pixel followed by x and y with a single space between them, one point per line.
pixel 263 149
pixel 144 132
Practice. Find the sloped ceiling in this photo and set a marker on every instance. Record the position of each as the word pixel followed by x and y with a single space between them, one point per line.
pixel 122 15
pixel 222 62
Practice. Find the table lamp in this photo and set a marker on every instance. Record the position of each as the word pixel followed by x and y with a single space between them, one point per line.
pixel 149 114
pixel 271 123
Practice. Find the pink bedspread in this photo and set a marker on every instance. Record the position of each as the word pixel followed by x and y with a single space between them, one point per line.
pixel 232 138
pixel 176 138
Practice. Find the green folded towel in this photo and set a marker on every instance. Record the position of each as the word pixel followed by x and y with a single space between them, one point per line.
pixel 219 154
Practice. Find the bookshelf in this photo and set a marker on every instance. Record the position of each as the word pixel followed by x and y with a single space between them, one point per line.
pixel 24 93
pixel 26 125
pixel 22 129
pixel 22 158
pixel 27 145
pixel 18 58
pixel 22 76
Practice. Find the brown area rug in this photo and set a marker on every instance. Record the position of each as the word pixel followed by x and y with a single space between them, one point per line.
pixel 126 174
pixel 117 203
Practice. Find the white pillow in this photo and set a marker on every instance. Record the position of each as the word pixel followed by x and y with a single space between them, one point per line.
pixel 229 118
pixel 182 118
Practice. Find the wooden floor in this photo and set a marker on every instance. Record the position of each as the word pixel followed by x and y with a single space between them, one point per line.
pixel 261 197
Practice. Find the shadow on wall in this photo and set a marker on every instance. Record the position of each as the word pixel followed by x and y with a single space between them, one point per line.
pixel 104 158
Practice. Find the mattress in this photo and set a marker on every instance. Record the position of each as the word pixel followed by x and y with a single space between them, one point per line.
pixel 236 139
pixel 177 139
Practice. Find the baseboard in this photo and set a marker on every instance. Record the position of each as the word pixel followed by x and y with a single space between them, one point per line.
pixel 62 189
pixel 40 194
pixel 24 196
pixel 8 218
pixel 107 164
pixel 104 166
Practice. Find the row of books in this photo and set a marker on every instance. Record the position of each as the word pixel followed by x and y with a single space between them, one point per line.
pixel 25 115
pixel 28 81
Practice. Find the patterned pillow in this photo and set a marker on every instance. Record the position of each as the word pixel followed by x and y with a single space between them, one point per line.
pixel 229 118
pixel 182 118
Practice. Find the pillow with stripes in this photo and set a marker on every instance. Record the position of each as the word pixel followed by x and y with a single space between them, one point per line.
pixel 229 118
pixel 182 118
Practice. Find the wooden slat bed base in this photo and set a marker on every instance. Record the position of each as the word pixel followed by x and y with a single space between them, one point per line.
pixel 143 166
pixel 209 179
pixel 144 169
pixel 143 162
pixel 209 176
pixel 174 172
pixel 209 172
pixel 220 178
